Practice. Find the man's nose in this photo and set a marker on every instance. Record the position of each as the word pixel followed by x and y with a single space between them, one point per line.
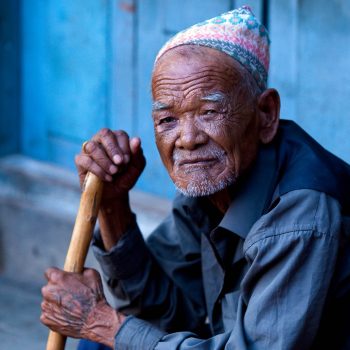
pixel 191 136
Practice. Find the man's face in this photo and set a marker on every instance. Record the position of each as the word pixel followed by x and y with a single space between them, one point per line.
pixel 205 122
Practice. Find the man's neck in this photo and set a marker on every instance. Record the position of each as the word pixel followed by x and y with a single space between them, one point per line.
pixel 222 199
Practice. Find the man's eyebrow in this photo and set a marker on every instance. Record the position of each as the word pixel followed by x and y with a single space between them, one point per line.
pixel 158 106
pixel 214 97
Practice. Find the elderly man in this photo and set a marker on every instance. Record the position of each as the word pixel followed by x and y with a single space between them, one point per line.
pixel 254 254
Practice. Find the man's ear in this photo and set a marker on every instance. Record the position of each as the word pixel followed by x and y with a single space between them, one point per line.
pixel 269 113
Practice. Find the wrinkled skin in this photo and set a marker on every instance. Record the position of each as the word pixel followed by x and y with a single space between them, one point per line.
pixel 215 139
pixel 208 127
pixel 115 158
pixel 75 305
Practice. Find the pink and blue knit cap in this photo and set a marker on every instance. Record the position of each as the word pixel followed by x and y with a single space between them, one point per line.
pixel 237 33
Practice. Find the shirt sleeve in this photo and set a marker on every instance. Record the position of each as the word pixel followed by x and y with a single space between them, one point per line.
pixel 160 280
pixel 125 258
pixel 291 263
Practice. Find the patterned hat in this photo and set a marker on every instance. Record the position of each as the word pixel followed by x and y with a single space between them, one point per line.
pixel 237 33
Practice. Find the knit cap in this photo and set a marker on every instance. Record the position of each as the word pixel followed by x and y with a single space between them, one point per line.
pixel 237 33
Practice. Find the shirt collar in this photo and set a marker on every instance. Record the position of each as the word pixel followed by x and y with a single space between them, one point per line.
pixel 253 194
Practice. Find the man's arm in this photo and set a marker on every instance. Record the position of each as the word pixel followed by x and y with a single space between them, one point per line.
pixel 74 304
pixel 159 280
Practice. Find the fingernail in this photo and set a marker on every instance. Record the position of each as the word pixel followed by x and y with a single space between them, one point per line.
pixel 117 159
pixel 126 158
pixel 108 178
pixel 113 169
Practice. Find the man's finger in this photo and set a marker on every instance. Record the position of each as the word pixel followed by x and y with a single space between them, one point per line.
pixel 123 142
pixel 135 144
pixel 87 163
pixel 109 142
pixel 93 280
pixel 53 274
pixel 91 274
pixel 51 294
pixel 98 154
pixel 139 160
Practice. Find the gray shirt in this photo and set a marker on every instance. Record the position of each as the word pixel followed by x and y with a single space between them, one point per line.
pixel 272 273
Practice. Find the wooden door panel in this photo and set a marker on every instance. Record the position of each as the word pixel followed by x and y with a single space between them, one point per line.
pixel 76 68
pixel 66 76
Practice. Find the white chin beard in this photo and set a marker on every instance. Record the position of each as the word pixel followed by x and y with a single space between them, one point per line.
pixel 205 186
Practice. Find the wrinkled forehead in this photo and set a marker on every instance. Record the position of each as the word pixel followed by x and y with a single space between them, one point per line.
pixel 187 56
pixel 200 67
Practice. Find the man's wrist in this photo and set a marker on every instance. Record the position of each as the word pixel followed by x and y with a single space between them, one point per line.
pixel 103 324
pixel 115 217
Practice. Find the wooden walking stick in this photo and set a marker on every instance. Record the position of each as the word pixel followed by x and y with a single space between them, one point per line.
pixel 80 241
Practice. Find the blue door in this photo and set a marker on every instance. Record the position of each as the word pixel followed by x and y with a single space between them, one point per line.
pixel 65 76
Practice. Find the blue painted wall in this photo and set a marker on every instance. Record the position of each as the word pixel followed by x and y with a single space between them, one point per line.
pixel 86 64
pixel 310 66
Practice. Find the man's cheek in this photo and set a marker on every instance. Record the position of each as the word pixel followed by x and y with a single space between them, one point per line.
pixel 167 158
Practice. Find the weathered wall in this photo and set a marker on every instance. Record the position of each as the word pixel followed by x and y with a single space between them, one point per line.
pixel 310 66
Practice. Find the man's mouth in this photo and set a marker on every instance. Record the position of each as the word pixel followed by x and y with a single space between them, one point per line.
pixel 199 159
pixel 197 162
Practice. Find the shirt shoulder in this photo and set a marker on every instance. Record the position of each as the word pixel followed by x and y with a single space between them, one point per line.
pixel 298 212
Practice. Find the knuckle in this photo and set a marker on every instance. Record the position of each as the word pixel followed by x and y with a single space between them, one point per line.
pixel 120 133
pixel 111 146
pixel 86 162
pixel 91 273
pixel 105 132
pixel 97 170
pixel 55 275
pixel 77 159
pixel 83 163
pixel 80 161
pixel 90 146
pixel 44 291
pixel 48 272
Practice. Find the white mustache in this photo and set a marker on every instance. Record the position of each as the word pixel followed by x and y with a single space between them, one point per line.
pixel 210 153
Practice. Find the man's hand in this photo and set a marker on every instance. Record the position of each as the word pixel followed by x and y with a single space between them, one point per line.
pixel 114 158
pixel 119 161
pixel 75 306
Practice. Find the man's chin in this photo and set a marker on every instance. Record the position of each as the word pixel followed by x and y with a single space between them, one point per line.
pixel 205 187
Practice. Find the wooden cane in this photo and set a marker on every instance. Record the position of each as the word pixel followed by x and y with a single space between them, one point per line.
pixel 80 241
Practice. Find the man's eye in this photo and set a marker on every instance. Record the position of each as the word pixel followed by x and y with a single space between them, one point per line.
pixel 166 120
pixel 210 111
